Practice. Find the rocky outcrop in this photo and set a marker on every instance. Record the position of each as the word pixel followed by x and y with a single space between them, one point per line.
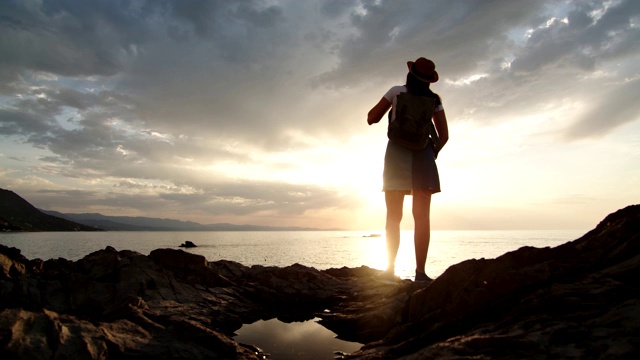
pixel 578 300
pixel 575 301
pixel 188 244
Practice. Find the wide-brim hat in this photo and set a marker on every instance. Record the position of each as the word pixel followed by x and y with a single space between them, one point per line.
pixel 423 69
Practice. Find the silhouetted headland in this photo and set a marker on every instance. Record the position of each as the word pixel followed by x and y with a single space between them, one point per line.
pixel 577 300
pixel 16 214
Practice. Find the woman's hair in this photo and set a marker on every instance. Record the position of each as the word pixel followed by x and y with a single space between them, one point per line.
pixel 417 87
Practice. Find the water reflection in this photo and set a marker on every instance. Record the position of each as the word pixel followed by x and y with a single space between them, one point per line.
pixel 297 340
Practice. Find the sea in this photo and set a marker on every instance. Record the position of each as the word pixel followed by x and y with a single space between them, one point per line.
pixel 318 249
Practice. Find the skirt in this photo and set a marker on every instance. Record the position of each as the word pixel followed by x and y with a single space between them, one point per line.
pixel 410 170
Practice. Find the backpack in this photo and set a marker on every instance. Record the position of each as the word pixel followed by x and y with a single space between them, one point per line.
pixel 412 127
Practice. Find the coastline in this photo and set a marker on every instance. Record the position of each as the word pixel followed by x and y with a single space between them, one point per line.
pixel 174 304
pixel 321 250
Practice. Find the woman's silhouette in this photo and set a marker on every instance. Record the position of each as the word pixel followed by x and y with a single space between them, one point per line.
pixel 411 172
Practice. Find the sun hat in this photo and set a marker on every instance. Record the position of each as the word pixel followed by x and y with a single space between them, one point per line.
pixel 423 69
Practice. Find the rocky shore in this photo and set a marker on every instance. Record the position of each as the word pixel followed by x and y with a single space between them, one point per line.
pixel 580 300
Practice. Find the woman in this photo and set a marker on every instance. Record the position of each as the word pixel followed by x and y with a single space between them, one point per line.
pixel 411 172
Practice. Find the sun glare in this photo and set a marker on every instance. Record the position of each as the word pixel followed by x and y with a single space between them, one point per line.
pixel 376 254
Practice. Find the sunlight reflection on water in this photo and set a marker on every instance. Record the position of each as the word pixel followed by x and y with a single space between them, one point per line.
pixel 296 340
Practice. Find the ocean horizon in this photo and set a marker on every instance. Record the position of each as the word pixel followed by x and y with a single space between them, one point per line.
pixel 318 249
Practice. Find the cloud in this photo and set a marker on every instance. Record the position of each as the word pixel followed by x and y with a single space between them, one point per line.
pixel 167 94
pixel 581 39
pixel 69 38
pixel 388 35
pixel 607 112
pixel 228 198
pixel 553 61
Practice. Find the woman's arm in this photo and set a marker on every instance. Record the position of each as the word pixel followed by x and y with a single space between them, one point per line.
pixel 378 111
pixel 440 121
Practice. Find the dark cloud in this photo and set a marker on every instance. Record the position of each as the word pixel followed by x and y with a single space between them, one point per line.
pixel 556 62
pixel 198 13
pixel 70 38
pixel 14 122
pixel 387 35
pixel 336 8
pixel 582 41
pixel 261 18
pixel 607 112
pixel 234 78
pixel 135 92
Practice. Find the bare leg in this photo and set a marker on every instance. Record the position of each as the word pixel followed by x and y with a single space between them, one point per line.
pixel 422 234
pixel 394 200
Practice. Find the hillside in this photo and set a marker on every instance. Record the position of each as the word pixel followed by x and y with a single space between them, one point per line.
pixel 16 214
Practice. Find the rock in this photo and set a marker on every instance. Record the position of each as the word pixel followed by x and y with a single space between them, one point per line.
pixel 188 244
pixel 12 264
pixel 577 300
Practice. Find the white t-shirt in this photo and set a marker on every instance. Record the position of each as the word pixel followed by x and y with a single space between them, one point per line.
pixel 392 96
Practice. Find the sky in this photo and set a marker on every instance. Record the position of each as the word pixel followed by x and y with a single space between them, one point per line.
pixel 254 112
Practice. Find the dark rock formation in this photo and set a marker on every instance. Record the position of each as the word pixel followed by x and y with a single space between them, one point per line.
pixel 578 300
pixel 188 244
pixel 16 214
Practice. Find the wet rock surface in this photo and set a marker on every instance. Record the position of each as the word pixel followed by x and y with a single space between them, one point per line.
pixel 575 301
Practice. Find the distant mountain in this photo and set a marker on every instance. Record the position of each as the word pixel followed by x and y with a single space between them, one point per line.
pixel 16 214
pixel 129 223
